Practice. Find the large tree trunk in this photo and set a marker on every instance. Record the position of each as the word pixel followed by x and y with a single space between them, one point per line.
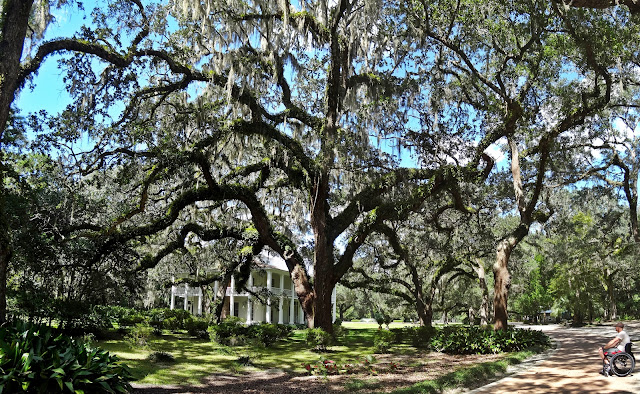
pixel 217 305
pixel 15 19
pixel 423 303
pixel 501 274
pixel 502 282
pixel 425 311
pixel 609 287
pixel 320 311
pixel 577 310
pixel 482 282
pixel 502 278
pixel 323 287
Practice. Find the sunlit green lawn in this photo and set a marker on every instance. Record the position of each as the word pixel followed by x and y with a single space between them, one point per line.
pixel 195 359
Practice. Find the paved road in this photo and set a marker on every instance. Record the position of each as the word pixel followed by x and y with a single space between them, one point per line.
pixel 574 367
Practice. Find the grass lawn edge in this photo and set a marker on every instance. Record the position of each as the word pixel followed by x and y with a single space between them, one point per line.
pixel 477 375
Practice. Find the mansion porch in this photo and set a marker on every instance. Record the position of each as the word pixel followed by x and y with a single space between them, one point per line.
pixel 277 303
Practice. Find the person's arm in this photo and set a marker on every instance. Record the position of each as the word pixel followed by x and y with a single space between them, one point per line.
pixel 612 343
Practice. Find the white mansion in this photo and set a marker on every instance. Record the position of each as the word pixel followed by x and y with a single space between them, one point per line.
pixel 272 278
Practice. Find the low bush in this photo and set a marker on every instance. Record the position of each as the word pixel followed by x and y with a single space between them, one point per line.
pixel 318 339
pixel 459 339
pixel 233 332
pixel 228 329
pixel 36 360
pixel 169 319
pixel 139 335
pixel 422 337
pixel 131 318
pixel 338 330
pixel 478 340
pixel 161 357
pixel 267 334
pixel 382 340
pixel 197 327
pixel 419 337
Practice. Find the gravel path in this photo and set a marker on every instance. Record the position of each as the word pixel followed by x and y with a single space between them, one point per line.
pixel 573 368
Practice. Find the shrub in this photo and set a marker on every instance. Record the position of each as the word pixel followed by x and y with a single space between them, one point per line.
pixel 422 336
pixel 161 357
pixel 284 331
pixel 230 331
pixel 139 335
pixel 35 359
pixel 197 327
pixel 178 318
pixel 318 339
pixel 338 330
pixel 244 360
pixel 478 340
pixel 170 319
pixel 131 318
pixel 171 323
pixel 123 316
pixel 382 340
pixel 233 332
pixel 265 333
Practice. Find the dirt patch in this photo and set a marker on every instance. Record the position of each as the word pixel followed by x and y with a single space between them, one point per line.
pixel 389 372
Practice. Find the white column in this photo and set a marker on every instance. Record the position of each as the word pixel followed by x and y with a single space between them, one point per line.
pixel 334 300
pixel 292 305
pixel 232 308
pixel 200 302
pixel 302 321
pixel 269 278
pixel 215 291
pixel 173 294
pixel 281 304
pixel 249 303
pixel 186 295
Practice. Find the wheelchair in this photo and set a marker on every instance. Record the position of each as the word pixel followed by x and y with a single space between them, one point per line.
pixel 623 363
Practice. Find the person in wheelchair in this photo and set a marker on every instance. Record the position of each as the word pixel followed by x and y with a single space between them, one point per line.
pixel 616 345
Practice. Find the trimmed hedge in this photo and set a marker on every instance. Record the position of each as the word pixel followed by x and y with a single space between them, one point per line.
pixel 232 331
pixel 37 360
pixel 471 339
pixel 318 339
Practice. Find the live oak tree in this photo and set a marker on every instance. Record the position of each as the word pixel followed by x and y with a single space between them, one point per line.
pixel 593 267
pixel 419 258
pixel 273 109
pixel 532 73
pixel 22 27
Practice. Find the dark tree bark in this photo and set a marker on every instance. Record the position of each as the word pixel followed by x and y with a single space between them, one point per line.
pixel 324 282
pixel 14 30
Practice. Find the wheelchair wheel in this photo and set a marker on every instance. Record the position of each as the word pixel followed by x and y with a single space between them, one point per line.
pixel 622 364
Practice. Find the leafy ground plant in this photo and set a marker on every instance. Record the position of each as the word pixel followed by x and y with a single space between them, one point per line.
pixel 37 360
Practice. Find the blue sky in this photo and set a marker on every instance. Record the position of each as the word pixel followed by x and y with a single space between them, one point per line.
pixel 47 91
